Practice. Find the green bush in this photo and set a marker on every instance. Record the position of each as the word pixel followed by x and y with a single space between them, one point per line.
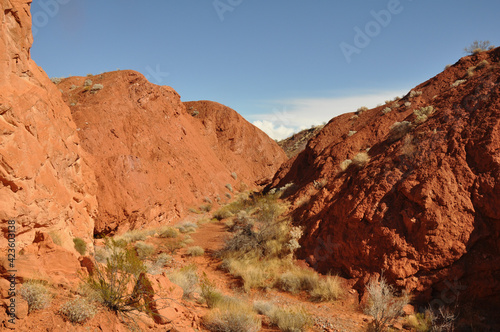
pixel 114 281
pixel 80 245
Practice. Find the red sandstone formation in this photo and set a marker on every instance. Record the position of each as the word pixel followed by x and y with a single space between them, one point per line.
pixel 423 204
pixel 45 183
pixel 153 159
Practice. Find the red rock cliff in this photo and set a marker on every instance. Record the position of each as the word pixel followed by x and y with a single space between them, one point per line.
pixel 153 159
pixel 45 184
pixel 425 205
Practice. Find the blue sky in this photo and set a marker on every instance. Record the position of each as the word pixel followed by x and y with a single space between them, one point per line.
pixel 283 64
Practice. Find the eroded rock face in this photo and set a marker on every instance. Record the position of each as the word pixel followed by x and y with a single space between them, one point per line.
pixel 152 158
pixel 425 207
pixel 45 184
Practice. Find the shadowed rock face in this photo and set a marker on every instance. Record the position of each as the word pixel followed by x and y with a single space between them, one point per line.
pixel 153 158
pixel 425 207
pixel 45 184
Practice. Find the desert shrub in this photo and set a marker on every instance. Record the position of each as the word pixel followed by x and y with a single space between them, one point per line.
pixel 423 113
pixel 135 235
pixel 188 241
pixel 386 110
pixel 351 132
pixel 482 64
pixel 168 232
pixel 187 227
pixel 383 305
pixel 354 117
pixel 78 310
pixel 470 71
pixel 232 316
pixel 56 80
pixel 457 83
pixel 294 319
pixel 206 207
pixel 80 245
pixel 420 322
pixel 55 238
pixel 297 280
pixel 327 289
pixel 195 113
pixel 87 83
pixel 195 251
pixel 477 46
pixel 345 164
pixel 234 175
pixel 399 129
pixel 96 87
pixel 263 307
pixel 144 250
pixel 101 255
pixel 156 267
pixel 228 195
pixel 360 110
pixel 37 295
pixel 361 159
pixel 229 187
pixel 113 281
pixel 209 293
pixel 186 278
pixel 414 93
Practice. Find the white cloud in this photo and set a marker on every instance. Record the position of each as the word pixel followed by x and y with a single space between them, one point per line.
pixel 273 131
pixel 292 115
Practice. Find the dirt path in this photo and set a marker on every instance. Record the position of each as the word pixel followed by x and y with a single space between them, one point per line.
pixel 343 315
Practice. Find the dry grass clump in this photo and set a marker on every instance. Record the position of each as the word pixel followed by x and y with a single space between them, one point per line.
pixel 457 83
pixel 195 251
pixel 156 267
pixel 351 132
pixel 187 227
pixel 423 113
pixel 482 64
pixel 297 280
pixel 399 129
pixel 327 289
pixel 186 278
pixel 135 235
pixel 206 207
pixel 360 110
pixel 232 316
pixel 37 295
pixel 415 93
pixel 345 164
pixel 293 319
pixel 168 232
pixel 383 305
pixel 361 159
pixel 144 250
pixel 78 310
pixel 386 110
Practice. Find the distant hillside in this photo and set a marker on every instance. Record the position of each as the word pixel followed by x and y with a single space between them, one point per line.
pixel 296 143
